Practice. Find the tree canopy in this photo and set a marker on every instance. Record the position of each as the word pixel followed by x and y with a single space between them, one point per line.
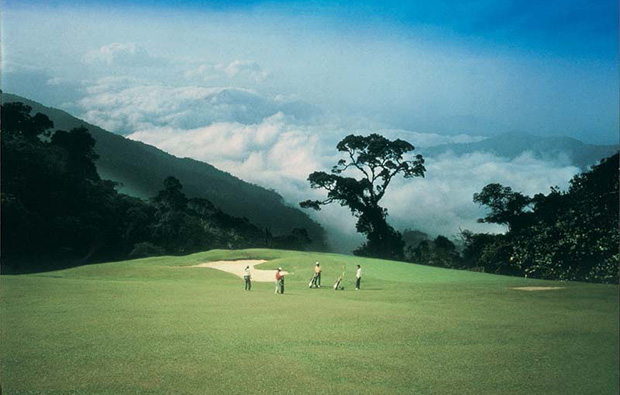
pixel 507 207
pixel 378 160
pixel 565 235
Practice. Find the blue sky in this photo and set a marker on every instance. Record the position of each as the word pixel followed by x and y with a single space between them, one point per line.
pixel 482 66
pixel 571 27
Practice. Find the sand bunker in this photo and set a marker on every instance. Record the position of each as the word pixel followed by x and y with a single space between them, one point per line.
pixel 537 288
pixel 238 268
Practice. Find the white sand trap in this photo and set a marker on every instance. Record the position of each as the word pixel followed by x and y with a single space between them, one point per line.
pixel 238 268
pixel 537 288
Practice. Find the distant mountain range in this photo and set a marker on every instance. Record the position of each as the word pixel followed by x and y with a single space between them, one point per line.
pixel 512 145
pixel 141 169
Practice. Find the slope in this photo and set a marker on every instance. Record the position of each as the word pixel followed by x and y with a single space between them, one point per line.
pixel 141 169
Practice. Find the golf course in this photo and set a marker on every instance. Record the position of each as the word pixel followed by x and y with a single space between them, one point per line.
pixel 159 325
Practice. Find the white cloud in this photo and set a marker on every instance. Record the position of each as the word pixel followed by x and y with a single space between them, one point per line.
pixel 442 202
pixel 250 151
pixel 244 67
pixel 126 105
pixel 121 54
pixel 240 70
pixel 57 81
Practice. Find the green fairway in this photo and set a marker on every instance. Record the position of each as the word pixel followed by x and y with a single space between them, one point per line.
pixel 153 326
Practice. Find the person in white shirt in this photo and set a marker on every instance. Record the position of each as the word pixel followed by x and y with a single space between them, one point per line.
pixel 247 277
pixel 358 278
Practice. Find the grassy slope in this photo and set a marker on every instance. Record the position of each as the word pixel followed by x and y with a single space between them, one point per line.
pixel 149 326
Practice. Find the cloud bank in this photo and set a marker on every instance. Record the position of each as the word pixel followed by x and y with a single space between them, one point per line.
pixel 125 106
pixel 237 69
pixel 123 54
pixel 254 137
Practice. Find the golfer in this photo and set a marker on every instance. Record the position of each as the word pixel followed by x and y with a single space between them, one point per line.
pixel 279 281
pixel 247 278
pixel 316 280
pixel 358 277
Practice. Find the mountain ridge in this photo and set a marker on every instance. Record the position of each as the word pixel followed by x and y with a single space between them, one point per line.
pixel 512 144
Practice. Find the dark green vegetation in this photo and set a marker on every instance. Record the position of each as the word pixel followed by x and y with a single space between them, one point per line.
pixel 57 211
pixel 378 160
pixel 565 235
pixel 512 145
pixel 149 326
pixel 140 169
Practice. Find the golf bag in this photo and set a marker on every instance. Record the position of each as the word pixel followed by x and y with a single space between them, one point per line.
pixel 313 281
pixel 338 286
pixel 280 286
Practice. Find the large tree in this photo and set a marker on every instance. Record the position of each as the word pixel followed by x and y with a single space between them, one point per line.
pixel 378 160
pixel 507 207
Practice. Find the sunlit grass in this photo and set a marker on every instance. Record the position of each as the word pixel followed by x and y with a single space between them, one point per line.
pixel 153 325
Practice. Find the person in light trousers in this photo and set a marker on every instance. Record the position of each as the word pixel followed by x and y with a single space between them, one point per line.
pixel 247 278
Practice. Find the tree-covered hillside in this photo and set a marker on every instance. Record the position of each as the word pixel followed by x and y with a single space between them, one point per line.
pixel 57 211
pixel 140 169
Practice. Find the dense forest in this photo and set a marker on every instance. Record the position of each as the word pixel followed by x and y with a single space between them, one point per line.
pixel 57 211
pixel 564 235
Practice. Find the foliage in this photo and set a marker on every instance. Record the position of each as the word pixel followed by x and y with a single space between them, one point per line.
pixel 413 238
pixel 140 169
pixel 145 249
pixel 488 253
pixel 17 123
pixel 507 207
pixel 378 160
pixel 571 235
pixel 440 252
pixel 57 209
pixel 298 239
pixel 53 200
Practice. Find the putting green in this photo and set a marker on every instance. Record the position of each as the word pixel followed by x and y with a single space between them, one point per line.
pixel 146 326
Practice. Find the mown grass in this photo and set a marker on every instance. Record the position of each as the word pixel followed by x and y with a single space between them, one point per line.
pixel 152 326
